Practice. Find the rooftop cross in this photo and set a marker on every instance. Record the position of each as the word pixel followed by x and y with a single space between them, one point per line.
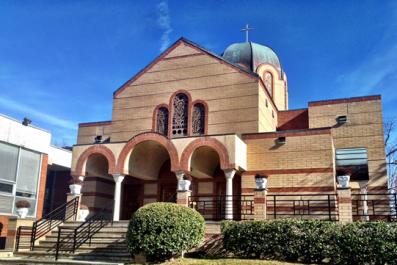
pixel 246 29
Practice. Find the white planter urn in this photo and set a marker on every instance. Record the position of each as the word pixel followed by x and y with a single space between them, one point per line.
pixel 344 181
pixel 184 185
pixel 75 189
pixel 261 183
pixel 22 212
pixel 83 214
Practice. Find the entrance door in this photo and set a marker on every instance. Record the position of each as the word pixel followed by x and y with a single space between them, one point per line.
pixel 168 193
pixel 132 198
pixel 167 183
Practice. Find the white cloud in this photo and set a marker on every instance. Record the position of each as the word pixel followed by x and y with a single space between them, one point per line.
pixel 164 22
pixel 378 69
pixel 35 114
pixel 371 74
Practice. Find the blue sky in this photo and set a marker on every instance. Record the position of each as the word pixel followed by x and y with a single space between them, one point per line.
pixel 60 61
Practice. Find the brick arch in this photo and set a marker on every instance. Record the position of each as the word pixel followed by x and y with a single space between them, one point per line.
pixel 96 149
pixel 210 142
pixel 148 136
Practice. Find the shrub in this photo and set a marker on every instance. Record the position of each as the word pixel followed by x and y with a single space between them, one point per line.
pixel 162 230
pixel 313 241
pixel 22 204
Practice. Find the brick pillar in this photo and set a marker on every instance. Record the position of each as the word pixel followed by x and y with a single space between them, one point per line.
pixel 13 225
pixel 182 197
pixel 345 205
pixel 260 204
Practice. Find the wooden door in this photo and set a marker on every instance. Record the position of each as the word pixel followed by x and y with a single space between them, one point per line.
pixel 132 199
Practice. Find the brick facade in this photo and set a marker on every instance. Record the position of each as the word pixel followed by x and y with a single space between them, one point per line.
pixel 237 106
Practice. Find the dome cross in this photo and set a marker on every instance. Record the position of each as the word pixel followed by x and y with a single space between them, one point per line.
pixel 246 29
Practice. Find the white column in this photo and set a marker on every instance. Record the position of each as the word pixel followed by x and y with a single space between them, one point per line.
pixel 179 175
pixel 229 174
pixel 118 179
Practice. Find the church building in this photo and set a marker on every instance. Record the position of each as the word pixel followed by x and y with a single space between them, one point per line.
pixel 219 121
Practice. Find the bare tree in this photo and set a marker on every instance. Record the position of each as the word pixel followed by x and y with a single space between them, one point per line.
pixel 391 152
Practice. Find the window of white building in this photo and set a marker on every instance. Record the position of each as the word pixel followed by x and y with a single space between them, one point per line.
pixel 19 176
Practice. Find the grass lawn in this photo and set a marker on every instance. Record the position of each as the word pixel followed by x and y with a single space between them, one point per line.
pixel 223 262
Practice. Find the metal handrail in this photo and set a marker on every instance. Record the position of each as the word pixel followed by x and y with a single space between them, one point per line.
pixel 22 230
pixel 84 232
pixel 374 206
pixel 53 219
pixel 301 205
pixel 215 207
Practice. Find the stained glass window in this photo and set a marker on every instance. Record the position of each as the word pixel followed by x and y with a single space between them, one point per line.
pixel 198 118
pixel 162 121
pixel 179 117
pixel 268 80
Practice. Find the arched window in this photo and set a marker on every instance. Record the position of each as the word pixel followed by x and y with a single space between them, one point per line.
pixel 162 121
pixel 268 80
pixel 198 119
pixel 179 115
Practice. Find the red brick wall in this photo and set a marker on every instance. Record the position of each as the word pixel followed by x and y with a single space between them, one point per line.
pixel 293 120
pixel 43 179
pixel 4 222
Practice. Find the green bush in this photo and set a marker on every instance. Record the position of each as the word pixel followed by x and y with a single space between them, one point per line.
pixel 313 241
pixel 162 230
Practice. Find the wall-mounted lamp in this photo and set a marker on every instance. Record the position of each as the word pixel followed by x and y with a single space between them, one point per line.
pixel 26 121
pixel 98 139
pixel 281 140
pixel 341 120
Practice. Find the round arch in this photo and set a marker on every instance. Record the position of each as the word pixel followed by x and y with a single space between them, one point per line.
pixel 96 149
pixel 210 142
pixel 160 139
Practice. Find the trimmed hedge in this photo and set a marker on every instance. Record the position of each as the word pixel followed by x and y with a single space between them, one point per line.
pixel 313 241
pixel 162 230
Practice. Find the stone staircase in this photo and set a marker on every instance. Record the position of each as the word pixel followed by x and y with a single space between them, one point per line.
pixel 107 245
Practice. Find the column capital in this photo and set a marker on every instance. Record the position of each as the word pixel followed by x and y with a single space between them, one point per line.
pixel 180 174
pixel 229 173
pixel 78 177
pixel 118 177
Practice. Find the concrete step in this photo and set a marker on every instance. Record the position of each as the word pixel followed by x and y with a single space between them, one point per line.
pixel 103 229
pixel 23 261
pixel 115 234
pixel 212 228
pixel 114 224
pixel 96 256
pixel 103 241
pixel 86 248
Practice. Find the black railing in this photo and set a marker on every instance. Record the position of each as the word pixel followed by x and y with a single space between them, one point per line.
pixel 23 237
pixel 374 207
pixel 212 207
pixel 44 225
pixel 53 219
pixel 70 239
pixel 302 206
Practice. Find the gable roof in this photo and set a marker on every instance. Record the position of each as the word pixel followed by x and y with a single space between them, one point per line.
pixel 193 45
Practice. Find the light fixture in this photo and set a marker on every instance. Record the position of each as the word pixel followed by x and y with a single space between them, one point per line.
pixel 26 121
pixel 341 119
pixel 281 140
pixel 98 139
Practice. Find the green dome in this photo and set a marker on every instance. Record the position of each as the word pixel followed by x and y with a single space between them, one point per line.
pixel 251 55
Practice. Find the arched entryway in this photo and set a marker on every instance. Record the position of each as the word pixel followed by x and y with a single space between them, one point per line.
pixel 98 186
pixel 148 177
pixel 209 184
